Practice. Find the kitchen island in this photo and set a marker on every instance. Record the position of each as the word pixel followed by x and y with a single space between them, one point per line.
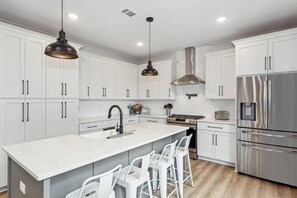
pixel 51 168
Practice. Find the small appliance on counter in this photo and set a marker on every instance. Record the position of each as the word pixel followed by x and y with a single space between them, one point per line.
pixel 222 115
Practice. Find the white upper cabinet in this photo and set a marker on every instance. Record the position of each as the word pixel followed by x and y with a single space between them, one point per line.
pixel 35 68
pixel 95 78
pixel 109 78
pixel 12 81
pixel 126 82
pixel 62 78
pixel 282 53
pixel 269 53
pixel 166 76
pixel 220 75
pixel 251 58
pixel 148 85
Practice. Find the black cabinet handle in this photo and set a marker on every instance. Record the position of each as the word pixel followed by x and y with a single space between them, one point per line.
pixel 65 89
pixel 27 87
pixel 89 127
pixel 88 91
pixel 62 109
pixel 62 89
pixel 23 87
pixel 222 90
pixel 265 66
pixel 213 127
pixel 65 116
pixel 216 140
pixel 27 111
pixel 169 93
pixel 102 91
pixel 270 62
pixel 219 90
pixel 23 113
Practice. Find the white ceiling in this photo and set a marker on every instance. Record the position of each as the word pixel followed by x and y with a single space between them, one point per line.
pixel 178 23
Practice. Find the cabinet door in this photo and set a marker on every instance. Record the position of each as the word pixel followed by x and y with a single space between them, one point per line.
pixel 123 82
pixel 165 79
pixel 54 117
pixel 35 119
pixel 282 54
pixel 133 83
pixel 12 65
pixel 228 76
pixel 205 144
pixel 70 120
pixel 95 90
pixel 108 75
pixel 35 68
pixel 84 78
pixel 251 58
pixel 225 147
pixel 54 73
pixel 3 169
pixel 70 78
pixel 213 77
pixel 148 86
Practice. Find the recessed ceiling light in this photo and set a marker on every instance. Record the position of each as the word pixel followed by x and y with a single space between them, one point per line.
pixel 139 44
pixel 221 19
pixel 72 16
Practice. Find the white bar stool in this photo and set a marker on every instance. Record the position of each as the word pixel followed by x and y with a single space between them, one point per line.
pixel 132 177
pixel 179 155
pixel 102 189
pixel 160 164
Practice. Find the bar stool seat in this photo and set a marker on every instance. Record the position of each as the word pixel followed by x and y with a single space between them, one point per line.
pixel 101 189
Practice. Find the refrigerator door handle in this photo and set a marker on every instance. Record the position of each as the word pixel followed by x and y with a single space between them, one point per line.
pixel 269 102
pixel 267 149
pixel 268 134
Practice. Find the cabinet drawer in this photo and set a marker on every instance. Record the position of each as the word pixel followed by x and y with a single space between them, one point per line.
pixel 89 126
pixel 153 120
pixel 130 121
pixel 216 127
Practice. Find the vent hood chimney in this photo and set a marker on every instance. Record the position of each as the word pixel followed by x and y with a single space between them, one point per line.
pixel 190 78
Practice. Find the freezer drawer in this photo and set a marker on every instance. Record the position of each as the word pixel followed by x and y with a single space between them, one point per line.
pixel 268 162
pixel 277 138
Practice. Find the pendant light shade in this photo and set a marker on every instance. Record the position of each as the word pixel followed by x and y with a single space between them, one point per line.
pixel 150 70
pixel 61 48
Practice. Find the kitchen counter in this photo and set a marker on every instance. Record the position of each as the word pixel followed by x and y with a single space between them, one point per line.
pixel 212 120
pixel 116 117
pixel 50 157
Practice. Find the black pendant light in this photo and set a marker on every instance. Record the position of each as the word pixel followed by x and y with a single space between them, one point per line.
pixel 149 71
pixel 61 48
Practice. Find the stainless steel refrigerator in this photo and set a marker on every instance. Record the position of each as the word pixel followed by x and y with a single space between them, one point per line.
pixel 267 127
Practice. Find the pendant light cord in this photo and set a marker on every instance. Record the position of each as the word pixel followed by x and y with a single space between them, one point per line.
pixel 62 13
pixel 149 41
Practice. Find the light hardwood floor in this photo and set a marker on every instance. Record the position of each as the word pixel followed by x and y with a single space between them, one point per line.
pixel 219 181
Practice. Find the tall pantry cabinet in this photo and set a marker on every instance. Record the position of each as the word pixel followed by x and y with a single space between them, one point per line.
pixel 23 85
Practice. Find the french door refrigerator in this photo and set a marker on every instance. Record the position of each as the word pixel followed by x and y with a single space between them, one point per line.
pixel 267 127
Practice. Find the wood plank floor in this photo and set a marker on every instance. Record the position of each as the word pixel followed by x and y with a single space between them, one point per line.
pixel 219 181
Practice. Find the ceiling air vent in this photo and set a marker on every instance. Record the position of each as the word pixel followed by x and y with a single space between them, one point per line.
pixel 128 12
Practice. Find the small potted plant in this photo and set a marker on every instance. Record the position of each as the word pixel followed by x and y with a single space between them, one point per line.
pixel 168 108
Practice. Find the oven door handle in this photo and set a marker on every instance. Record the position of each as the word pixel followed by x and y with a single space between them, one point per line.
pixel 252 146
pixel 268 134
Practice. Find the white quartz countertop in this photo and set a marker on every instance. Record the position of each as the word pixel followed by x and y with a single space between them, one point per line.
pixel 50 157
pixel 104 118
pixel 212 120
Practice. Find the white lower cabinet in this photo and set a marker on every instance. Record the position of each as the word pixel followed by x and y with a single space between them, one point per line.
pixel 20 120
pixel 216 143
pixel 61 117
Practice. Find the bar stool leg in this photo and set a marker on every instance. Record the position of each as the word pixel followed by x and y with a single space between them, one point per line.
pixel 150 188
pixel 155 176
pixel 190 170
pixel 131 192
pixel 179 163
pixel 163 182
pixel 175 181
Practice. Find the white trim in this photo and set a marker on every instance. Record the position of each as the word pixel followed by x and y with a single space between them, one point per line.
pixel 266 36
pixel 216 161
pixel 215 53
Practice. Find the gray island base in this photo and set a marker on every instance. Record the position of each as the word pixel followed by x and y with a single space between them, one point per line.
pixel 42 180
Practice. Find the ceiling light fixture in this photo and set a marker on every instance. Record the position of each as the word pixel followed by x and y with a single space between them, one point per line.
pixel 61 48
pixel 221 19
pixel 72 16
pixel 149 71
pixel 140 44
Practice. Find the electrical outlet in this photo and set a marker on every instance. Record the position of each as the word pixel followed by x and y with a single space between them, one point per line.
pixel 22 187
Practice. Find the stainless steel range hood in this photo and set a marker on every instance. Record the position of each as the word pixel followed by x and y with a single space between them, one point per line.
pixel 190 78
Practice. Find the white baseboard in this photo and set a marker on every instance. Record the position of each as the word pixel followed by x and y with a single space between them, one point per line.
pixel 216 161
